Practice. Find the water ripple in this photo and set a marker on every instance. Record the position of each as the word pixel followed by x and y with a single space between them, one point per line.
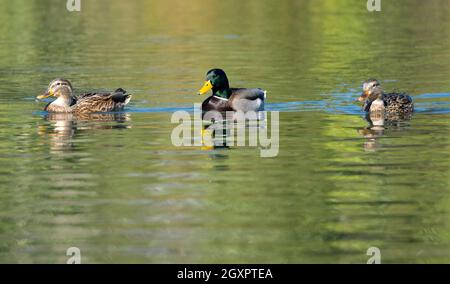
pixel 342 103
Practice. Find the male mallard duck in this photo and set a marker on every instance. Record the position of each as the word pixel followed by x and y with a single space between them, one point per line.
pixel 225 98
pixel 86 103
pixel 376 101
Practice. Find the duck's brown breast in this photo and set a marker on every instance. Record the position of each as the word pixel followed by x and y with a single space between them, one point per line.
pixel 57 108
pixel 214 103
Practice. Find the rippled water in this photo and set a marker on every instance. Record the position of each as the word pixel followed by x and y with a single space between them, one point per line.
pixel 115 186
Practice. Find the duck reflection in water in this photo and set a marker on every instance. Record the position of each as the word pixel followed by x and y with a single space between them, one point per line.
pixel 221 133
pixel 61 128
pixel 373 131
pixel 383 110
pixel 379 125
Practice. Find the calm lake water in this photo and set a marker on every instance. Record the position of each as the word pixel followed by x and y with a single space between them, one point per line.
pixel 117 188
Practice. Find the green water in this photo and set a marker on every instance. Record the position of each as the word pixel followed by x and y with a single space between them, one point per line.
pixel 121 192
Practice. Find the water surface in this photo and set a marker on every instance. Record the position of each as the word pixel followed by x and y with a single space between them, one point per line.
pixel 115 186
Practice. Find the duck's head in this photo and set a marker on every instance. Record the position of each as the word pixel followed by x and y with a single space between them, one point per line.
pixel 371 90
pixel 57 88
pixel 216 80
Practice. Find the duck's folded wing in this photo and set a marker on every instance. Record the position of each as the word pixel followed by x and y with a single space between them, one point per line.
pixel 94 102
pixel 250 94
pixel 101 102
pixel 397 98
pixel 248 100
pixel 120 96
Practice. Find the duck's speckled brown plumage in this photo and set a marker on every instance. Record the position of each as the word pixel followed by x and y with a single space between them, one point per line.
pixel 395 104
pixel 85 103
pixel 398 103
pixel 50 107
pixel 101 102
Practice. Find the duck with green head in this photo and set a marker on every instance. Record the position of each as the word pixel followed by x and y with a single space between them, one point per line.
pixel 224 98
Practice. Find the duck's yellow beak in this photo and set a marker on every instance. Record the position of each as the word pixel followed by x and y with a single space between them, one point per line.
pixel 45 95
pixel 206 88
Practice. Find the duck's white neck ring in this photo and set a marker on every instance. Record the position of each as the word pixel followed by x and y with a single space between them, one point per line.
pixel 220 98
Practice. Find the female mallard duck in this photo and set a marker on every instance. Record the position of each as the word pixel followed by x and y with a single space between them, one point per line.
pixel 86 103
pixel 376 101
pixel 224 98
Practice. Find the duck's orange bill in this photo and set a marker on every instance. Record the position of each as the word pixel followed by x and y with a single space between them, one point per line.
pixel 363 97
pixel 45 95
pixel 206 88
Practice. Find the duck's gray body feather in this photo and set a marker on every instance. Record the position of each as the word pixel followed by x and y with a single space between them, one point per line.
pixel 248 99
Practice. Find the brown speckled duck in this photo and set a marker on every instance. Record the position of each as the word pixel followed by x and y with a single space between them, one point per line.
pixel 66 102
pixel 224 98
pixel 392 104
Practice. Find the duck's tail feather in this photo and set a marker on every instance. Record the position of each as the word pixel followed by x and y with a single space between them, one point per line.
pixel 127 99
pixel 121 97
pixel 120 91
